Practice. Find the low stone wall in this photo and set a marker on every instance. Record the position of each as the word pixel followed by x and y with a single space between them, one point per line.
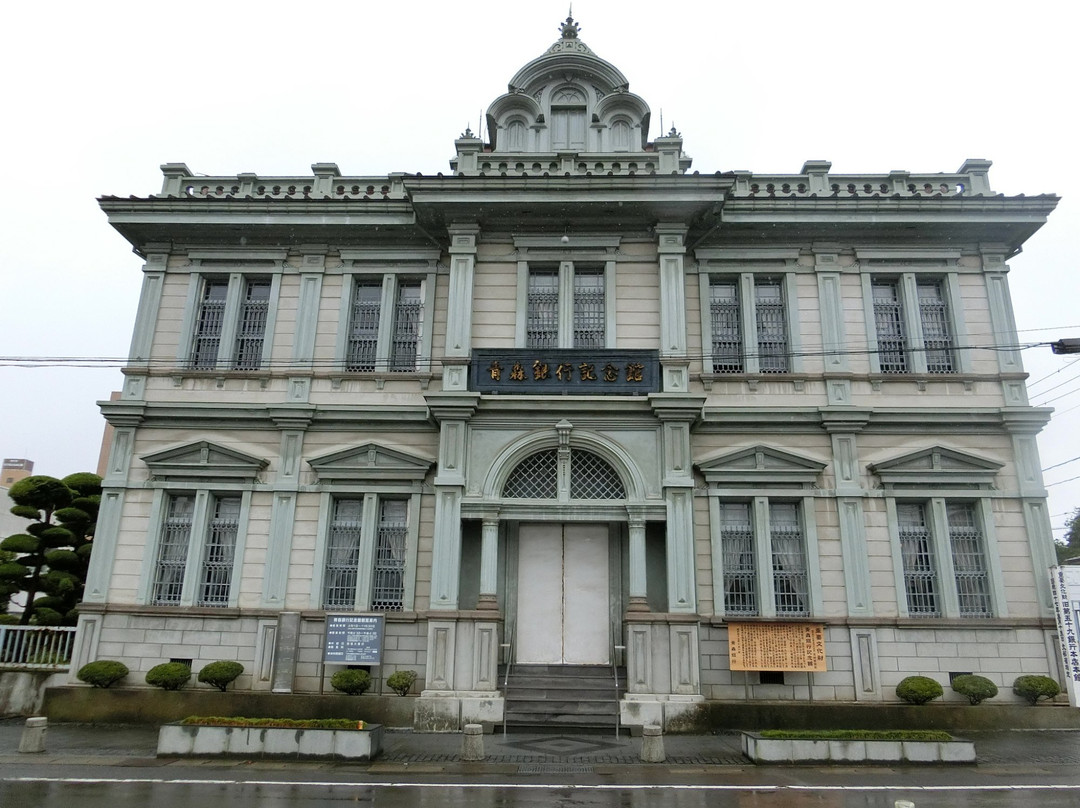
pixel 186 740
pixel 771 750
pixel 23 692
pixel 120 705
pixel 712 716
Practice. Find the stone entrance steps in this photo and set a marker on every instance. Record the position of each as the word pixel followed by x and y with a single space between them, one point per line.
pixel 559 698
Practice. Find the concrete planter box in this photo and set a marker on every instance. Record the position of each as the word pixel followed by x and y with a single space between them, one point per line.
pixel 189 740
pixel 768 750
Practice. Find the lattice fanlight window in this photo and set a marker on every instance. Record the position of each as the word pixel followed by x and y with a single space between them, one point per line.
pixel 591 477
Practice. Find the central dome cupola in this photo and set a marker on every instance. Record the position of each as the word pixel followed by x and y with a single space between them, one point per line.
pixel 568 100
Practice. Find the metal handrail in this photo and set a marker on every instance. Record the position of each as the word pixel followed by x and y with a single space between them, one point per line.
pixel 615 674
pixel 509 646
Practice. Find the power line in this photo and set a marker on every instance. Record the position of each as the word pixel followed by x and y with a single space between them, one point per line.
pixel 1059 465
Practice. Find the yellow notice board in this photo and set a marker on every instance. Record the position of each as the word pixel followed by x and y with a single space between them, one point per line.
pixel 776 646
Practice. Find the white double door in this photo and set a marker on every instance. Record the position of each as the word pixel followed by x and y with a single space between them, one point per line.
pixel 562 595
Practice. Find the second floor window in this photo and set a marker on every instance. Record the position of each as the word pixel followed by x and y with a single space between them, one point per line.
pixel 566 307
pixel 230 323
pixel 386 324
pixel 754 337
pixel 913 325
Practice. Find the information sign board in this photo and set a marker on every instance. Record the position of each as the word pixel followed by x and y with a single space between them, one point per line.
pixel 353 639
pixel 1065 584
pixel 776 646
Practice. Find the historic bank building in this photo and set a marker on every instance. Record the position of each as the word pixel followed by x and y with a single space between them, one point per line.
pixel 725 436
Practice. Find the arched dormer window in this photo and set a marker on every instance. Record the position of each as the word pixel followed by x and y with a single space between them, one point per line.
pixel 620 136
pixel 516 136
pixel 568 119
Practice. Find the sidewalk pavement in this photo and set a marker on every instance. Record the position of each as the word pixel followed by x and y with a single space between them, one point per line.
pixel 110 744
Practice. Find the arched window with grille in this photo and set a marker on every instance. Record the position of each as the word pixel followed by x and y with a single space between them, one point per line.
pixel 590 477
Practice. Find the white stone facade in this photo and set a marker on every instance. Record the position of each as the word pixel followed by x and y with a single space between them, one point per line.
pixel 769 399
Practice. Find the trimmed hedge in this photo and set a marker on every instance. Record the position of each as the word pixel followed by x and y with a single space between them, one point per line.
pixel 169 675
pixel 401 682
pixel 274 723
pixel 102 672
pixel 1034 688
pixel 351 681
pixel 976 688
pixel 220 673
pixel 919 689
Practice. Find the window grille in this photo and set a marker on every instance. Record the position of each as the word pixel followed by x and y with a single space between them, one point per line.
pixel 889 321
pixel 737 546
pixel 536 477
pixel 592 477
pixel 917 554
pixel 364 327
pixel 251 328
pixel 208 324
pixel 388 584
pixel 727 342
pixel 969 561
pixel 219 552
pixel 342 555
pixel 788 559
pixel 934 316
pixel 542 327
pixel 408 321
pixel 173 551
pixel 771 326
pixel 589 309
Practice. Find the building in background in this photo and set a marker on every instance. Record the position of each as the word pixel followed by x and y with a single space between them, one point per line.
pixel 15 469
pixel 749 436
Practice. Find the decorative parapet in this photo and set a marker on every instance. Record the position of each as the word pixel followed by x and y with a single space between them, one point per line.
pixel 326 182
pixel 556 164
pixel 815 180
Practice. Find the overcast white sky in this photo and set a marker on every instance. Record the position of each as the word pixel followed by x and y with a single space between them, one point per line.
pixel 96 96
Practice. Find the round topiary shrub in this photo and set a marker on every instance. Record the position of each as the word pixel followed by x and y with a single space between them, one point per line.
pixel 1034 688
pixel 351 682
pixel 102 672
pixel 919 689
pixel 976 688
pixel 401 682
pixel 220 673
pixel 168 675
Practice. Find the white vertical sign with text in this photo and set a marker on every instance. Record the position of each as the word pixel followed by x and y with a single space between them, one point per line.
pixel 1065 583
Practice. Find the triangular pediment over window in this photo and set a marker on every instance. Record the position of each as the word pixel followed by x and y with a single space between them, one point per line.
pixel 761 465
pixel 937 466
pixel 371 463
pixel 204 461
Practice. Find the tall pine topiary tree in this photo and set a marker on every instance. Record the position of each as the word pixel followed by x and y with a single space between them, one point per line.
pixel 52 555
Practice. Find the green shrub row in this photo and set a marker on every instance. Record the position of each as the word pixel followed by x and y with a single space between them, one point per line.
pixel 167 675
pixel 921 689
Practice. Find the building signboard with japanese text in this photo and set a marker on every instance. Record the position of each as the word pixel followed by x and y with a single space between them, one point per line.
pixel 576 371
pixel 776 646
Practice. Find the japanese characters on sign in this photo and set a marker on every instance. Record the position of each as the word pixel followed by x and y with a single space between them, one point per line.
pixel 565 372
pixel 776 646
pixel 1065 585
pixel 353 639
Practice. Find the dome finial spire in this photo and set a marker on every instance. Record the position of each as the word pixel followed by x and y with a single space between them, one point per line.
pixel 570 28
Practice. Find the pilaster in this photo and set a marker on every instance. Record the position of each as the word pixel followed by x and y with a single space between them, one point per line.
pixel 671 251
pixel 463 238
